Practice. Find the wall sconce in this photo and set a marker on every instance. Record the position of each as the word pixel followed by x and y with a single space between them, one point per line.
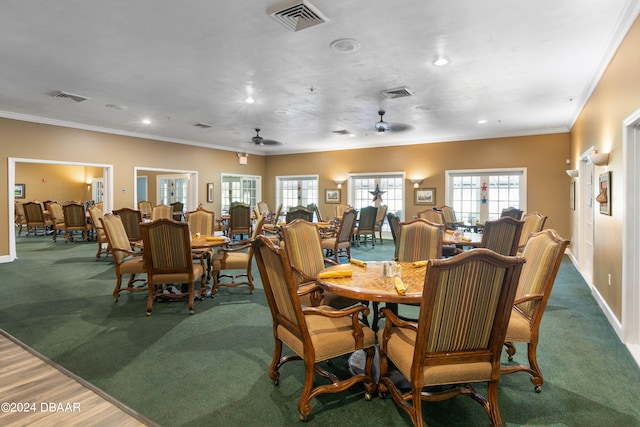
pixel 599 159
pixel 416 182
pixel 573 173
pixel 243 158
pixel 339 182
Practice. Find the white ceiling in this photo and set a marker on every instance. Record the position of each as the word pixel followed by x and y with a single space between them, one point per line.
pixel 526 67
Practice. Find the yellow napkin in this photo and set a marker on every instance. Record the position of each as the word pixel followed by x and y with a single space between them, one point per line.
pixel 196 236
pixel 323 224
pixel 215 238
pixel 465 239
pixel 282 223
pixel 418 264
pixel 449 231
pixel 358 262
pixel 400 288
pixel 335 274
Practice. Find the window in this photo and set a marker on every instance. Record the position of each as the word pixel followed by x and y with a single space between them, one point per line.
pixel 173 188
pixel 296 191
pixel 361 186
pixel 97 189
pixel 482 195
pixel 240 188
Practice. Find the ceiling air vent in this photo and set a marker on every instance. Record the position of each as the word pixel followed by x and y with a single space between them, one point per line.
pixel 203 125
pixel 297 15
pixel 398 92
pixel 67 95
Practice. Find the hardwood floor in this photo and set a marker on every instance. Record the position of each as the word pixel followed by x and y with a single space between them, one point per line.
pixel 35 391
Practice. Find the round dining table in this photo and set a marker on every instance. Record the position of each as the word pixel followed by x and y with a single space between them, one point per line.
pixel 367 282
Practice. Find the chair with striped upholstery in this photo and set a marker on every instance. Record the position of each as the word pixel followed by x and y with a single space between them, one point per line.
pixel 19 218
pixel 502 235
pixel 35 218
pixel 236 256
pixel 458 338
pixel 161 211
pixel 299 212
pixel 450 218
pixel 125 259
pixel 380 216
pixel 239 220
pixel 95 213
pixel 145 207
pixel 304 251
pixel 201 221
pixel 131 219
pixel 533 222
pixel 394 225
pixel 544 251
pixel 340 243
pixel 168 261
pixel 437 217
pixel 512 212
pixel 419 240
pixel 75 220
pixel 315 334
pixel 57 218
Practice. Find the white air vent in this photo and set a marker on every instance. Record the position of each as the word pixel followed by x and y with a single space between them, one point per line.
pixel 297 15
pixel 67 95
pixel 398 92
pixel 203 125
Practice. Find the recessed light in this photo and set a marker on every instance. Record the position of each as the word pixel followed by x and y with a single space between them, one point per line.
pixel 146 121
pixel 249 100
pixel 482 122
pixel 440 62
pixel 345 45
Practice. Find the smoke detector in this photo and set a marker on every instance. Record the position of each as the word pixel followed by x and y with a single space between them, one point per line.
pixel 297 15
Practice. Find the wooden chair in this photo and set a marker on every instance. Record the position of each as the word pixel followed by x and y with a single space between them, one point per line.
pixel 177 211
pixel 533 222
pixel 95 213
pixel 202 221
pixel 57 218
pixel 168 260
pixel 304 251
pixel 125 259
pixel 314 334
pixel 340 242
pixel 19 218
pixel 394 225
pixel 145 207
pixel 450 219
pixel 161 211
pixel 299 212
pixel 239 220
pixel 512 212
pixel 75 220
pixel 339 210
pixel 543 251
pixel 502 235
pixel 366 225
pixel 459 334
pixel 131 219
pixel 35 218
pixel 380 216
pixel 236 256
pixel 437 217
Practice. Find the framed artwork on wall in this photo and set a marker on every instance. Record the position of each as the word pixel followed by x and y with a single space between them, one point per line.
pixel 210 192
pixel 604 193
pixel 424 196
pixel 332 196
pixel 19 191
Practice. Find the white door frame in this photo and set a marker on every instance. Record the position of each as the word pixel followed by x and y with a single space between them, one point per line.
pixel 585 219
pixel 631 234
pixel 107 175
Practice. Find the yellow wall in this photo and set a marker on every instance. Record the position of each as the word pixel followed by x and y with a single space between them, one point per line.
pixel 56 182
pixel 544 156
pixel 599 125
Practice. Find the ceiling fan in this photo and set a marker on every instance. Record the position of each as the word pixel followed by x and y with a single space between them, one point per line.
pixel 258 140
pixel 382 126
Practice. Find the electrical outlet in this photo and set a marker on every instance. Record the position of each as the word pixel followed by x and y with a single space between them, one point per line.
pixel 609 278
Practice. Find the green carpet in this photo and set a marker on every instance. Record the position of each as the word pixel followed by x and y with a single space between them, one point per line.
pixel 211 368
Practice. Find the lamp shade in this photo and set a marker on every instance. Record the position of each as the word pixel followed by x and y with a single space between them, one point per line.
pixel 599 159
pixel 573 173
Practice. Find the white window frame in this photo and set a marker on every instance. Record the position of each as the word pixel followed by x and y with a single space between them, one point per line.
pixel 351 196
pixel 243 178
pixel 484 208
pixel 280 178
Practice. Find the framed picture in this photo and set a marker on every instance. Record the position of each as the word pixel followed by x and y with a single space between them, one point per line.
pixel 210 192
pixel 424 196
pixel 19 191
pixel 572 195
pixel 604 193
pixel 332 196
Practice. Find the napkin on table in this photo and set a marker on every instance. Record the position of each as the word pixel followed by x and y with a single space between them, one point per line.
pixel 215 238
pixel 358 262
pixel 335 274
pixel 399 285
pixel 418 264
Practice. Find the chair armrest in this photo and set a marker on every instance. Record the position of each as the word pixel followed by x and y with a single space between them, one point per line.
pixel 527 298
pixel 393 320
pixel 127 251
pixel 358 333
pixel 330 261
pixel 234 248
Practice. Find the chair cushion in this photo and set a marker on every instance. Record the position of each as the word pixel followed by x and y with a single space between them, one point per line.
pixel 132 265
pixel 328 243
pixel 230 261
pixel 178 277
pixel 331 337
pixel 400 351
pixel 519 328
